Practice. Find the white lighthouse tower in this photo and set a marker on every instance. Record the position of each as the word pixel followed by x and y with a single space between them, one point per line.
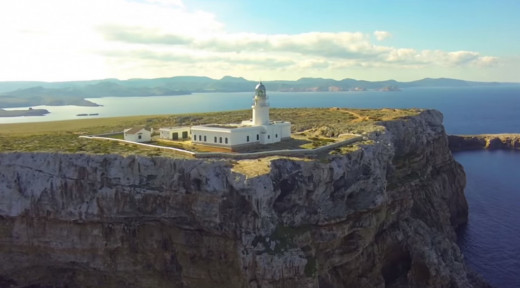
pixel 260 107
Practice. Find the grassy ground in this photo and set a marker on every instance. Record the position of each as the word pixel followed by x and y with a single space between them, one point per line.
pixel 316 127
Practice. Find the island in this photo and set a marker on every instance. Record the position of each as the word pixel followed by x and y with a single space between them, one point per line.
pixel 24 112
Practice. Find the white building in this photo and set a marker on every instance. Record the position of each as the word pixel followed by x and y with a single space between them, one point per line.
pixel 175 133
pixel 259 130
pixel 138 134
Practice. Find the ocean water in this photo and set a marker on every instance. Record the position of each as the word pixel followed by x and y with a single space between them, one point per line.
pixel 490 241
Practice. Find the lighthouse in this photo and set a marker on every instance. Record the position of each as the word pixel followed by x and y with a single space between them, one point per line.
pixel 260 106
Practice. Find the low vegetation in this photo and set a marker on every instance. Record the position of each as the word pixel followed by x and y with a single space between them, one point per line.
pixel 313 127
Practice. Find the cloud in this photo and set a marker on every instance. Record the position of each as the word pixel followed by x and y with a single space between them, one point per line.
pixel 382 35
pixel 176 3
pixel 487 61
pixel 156 38
pixel 190 58
pixel 402 55
pixel 141 35
pixel 461 57
pixel 325 46
pixel 338 45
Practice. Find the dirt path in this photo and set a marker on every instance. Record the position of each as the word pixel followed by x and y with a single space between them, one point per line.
pixel 359 118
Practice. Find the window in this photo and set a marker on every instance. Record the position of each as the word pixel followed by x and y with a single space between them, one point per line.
pixel 200 137
pixel 184 134
pixel 205 138
pixel 215 139
pixel 220 140
pixel 194 137
pixel 175 136
pixel 276 136
pixel 139 136
pixel 257 137
pixel 226 140
pixel 247 138
pixel 268 136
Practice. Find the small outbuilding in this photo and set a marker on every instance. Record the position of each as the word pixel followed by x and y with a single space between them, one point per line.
pixel 138 134
pixel 175 133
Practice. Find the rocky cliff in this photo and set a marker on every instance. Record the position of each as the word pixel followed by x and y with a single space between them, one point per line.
pixel 484 141
pixel 379 216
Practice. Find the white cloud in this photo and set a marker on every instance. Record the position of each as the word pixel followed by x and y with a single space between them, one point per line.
pixel 382 35
pixel 62 40
pixel 461 57
pixel 487 61
pixel 326 47
pixel 176 3
pixel 76 39
pixel 401 55
pixel 336 45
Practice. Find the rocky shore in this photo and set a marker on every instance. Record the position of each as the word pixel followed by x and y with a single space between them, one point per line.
pixel 383 215
pixel 484 141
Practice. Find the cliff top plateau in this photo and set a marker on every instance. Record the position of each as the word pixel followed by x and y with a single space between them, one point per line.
pixel 62 136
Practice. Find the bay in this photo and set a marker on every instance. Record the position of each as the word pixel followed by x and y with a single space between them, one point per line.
pixel 467 110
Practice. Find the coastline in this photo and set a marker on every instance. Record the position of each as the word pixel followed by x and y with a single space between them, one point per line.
pixel 504 141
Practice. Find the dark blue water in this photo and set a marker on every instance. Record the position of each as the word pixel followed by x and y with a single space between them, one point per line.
pixel 470 110
pixel 491 240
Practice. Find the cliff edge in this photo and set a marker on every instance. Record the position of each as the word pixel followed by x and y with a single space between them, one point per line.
pixel 380 216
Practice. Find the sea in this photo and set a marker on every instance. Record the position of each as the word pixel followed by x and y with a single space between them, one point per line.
pixel 491 239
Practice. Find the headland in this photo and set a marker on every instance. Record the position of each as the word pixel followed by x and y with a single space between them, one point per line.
pixel 382 212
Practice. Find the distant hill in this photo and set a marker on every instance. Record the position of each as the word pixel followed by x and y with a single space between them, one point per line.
pixel 446 82
pixel 75 94
pixel 31 93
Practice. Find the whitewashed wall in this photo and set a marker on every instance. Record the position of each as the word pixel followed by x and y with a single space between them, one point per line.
pixel 167 133
pixel 242 135
pixel 146 136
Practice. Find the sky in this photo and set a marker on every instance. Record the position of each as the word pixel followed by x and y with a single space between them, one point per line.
pixel 404 40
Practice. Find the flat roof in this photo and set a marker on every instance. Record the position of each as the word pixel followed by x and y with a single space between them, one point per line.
pixel 224 128
pixel 175 128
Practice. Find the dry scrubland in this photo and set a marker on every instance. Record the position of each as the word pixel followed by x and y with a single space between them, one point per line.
pixel 314 124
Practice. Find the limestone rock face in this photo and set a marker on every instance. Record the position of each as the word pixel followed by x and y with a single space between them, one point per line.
pixel 484 141
pixel 381 216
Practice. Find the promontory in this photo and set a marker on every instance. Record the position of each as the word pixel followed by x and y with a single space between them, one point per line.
pixel 381 212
